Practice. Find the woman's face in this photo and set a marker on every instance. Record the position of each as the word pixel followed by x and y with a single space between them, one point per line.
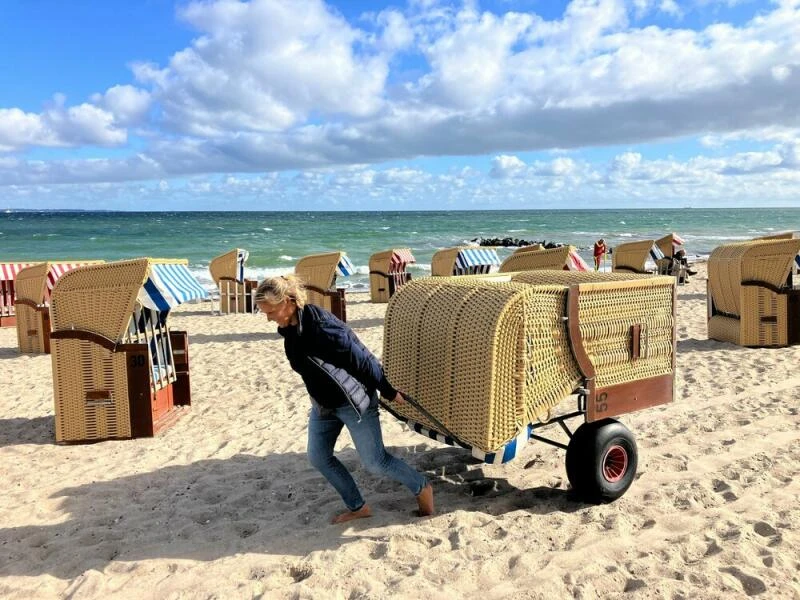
pixel 283 313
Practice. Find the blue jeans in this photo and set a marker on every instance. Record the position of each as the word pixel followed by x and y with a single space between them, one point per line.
pixel 323 429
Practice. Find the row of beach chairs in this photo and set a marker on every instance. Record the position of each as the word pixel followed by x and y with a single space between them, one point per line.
pixel 120 372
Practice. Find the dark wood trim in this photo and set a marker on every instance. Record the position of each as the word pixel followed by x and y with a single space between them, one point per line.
pixel 614 400
pixel 764 284
pixel 575 339
pixel 89 336
pixel 770 319
pixel 636 342
pixel 27 302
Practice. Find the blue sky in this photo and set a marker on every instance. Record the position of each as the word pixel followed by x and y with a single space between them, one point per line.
pixel 367 105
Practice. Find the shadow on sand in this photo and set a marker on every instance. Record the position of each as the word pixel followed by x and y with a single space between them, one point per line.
pixel 216 508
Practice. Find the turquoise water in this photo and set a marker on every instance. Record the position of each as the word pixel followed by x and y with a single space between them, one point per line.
pixel 276 240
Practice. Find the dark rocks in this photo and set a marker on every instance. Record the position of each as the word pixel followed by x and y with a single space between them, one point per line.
pixel 509 241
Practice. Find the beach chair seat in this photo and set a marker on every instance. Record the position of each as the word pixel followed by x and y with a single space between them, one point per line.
pixel 118 371
pixel 670 245
pixel 472 260
pixel 235 292
pixel 753 295
pixel 8 293
pixel 34 286
pixel 484 358
pixel 527 259
pixel 318 273
pixel 387 273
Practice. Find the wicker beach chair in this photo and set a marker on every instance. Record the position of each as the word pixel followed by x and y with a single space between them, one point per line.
pixel 387 272
pixel 753 298
pixel 34 286
pixel 8 293
pixel 118 371
pixel 235 292
pixel 318 273
pixel 563 257
pixel 632 257
pixel 463 261
pixel 485 361
pixel 784 235
pixel 670 265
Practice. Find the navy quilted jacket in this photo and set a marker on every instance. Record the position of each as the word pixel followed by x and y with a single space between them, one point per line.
pixel 335 366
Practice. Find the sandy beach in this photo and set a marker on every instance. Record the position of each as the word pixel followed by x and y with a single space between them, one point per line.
pixel 225 505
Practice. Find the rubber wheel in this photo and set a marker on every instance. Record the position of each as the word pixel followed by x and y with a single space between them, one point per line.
pixel 601 461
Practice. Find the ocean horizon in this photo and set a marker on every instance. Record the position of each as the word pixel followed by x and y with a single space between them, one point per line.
pixel 275 240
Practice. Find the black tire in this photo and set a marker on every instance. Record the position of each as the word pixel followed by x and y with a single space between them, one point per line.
pixel 601 460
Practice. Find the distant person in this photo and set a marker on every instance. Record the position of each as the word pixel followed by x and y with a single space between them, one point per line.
pixel 600 250
pixel 680 256
pixel 343 379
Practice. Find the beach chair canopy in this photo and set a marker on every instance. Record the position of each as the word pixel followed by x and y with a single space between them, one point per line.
pixel 9 270
pixel 462 261
pixel 35 283
pixel 633 256
pixel 750 292
pixel 670 244
pixel 102 298
pixel 531 248
pixel 229 265
pixel 563 257
pixel 320 270
pixel 784 235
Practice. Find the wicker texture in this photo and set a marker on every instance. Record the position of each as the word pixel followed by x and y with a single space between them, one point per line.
pixel 31 285
pixel 319 270
pixel 632 256
pixel 667 245
pixel 98 369
pixel 761 312
pixel 485 357
pixel 784 235
pixel 530 260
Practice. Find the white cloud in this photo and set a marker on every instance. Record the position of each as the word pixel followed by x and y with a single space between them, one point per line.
pixel 505 166
pixel 275 85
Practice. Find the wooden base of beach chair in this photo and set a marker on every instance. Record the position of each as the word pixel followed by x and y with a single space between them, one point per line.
pixel 331 300
pixel 113 396
pixel 9 321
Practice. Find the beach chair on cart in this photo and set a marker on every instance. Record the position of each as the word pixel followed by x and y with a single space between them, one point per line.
pixel 8 291
pixel 34 286
pixel 464 261
pixel 388 272
pixel 754 294
pixel 486 363
pixel 235 292
pixel 119 372
pixel 318 273
pixel 563 257
pixel 633 257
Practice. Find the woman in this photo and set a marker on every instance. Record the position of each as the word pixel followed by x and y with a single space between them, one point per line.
pixel 599 252
pixel 342 377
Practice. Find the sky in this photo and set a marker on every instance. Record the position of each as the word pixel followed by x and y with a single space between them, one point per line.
pixel 415 105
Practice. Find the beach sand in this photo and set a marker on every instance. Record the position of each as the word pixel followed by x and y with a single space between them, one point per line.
pixel 225 505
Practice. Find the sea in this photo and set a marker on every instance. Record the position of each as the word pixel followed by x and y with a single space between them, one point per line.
pixel 276 240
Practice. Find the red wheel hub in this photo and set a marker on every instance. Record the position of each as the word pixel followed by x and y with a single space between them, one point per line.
pixel 615 464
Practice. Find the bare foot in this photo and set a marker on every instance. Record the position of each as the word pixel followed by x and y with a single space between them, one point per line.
pixel 361 513
pixel 425 501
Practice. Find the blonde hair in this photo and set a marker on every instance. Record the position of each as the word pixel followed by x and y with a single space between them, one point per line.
pixel 277 289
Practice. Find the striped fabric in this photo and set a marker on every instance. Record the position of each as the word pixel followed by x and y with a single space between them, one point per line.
pixel 57 270
pixel 241 258
pixel 8 271
pixel 476 257
pixel 345 268
pixel 400 258
pixel 168 285
pixel 656 253
pixel 505 454
pixel 676 240
pixel 575 262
